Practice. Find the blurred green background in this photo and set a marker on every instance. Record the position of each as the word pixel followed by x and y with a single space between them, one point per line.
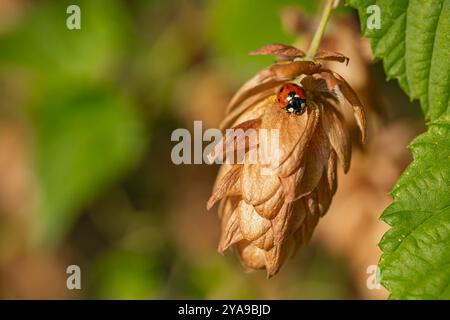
pixel 85 172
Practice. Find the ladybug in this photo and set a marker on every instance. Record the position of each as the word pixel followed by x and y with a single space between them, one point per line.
pixel 291 98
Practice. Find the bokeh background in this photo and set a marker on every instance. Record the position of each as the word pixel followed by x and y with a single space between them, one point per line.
pixel 85 172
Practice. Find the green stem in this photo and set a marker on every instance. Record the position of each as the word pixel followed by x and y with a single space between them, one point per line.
pixel 320 29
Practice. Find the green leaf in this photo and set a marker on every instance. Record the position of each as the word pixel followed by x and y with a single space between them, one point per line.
pixel 414 43
pixel 416 250
pixel 84 141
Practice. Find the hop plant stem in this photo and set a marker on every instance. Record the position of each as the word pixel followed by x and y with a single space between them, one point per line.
pixel 328 9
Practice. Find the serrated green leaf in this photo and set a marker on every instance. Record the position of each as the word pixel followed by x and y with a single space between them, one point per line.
pixel 414 43
pixel 416 250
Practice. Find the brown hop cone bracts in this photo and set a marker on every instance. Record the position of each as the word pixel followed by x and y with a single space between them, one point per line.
pixel 268 217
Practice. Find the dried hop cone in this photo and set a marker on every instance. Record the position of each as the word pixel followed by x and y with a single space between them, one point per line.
pixel 270 208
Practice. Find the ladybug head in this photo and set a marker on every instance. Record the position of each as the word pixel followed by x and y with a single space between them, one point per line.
pixel 295 104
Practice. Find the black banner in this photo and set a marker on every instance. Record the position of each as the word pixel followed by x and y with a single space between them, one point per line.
pixel 218 309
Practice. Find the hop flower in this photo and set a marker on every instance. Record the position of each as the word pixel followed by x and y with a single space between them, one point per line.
pixel 268 217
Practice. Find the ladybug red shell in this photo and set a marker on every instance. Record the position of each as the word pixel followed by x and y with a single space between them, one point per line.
pixel 291 98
